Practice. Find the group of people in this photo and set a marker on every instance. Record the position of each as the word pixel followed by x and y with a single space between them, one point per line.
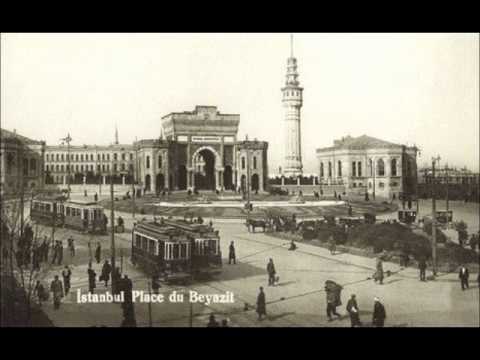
pixel 212 322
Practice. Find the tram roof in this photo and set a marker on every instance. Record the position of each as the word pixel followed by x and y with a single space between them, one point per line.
pixel 50 197
pixel 159 231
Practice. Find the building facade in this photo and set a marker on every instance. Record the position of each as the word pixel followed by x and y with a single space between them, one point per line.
pixel 292 102
pixel 199 150
pixel 89 164
pixel 21 163
pixel 366 164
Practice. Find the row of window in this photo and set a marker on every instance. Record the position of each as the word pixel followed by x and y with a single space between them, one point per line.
pixel 147 161
pixel 103 168
pixel 292 93
pixel 357 168
pixel 29 165
pixel 254 162
pixel 86 157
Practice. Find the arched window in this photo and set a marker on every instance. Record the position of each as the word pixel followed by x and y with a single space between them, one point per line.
pixel 159 161
pixel 380 167
pixel 147 163
pixel 329 169
pixel 370 165
pixel 321 170
pixel 243 162
pixel 393 167
pixel 339 171
pixel 359 168
pixel 254 162
pixel 354 168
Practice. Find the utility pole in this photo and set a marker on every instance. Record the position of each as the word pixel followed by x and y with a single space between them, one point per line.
pixel 434 218
pixel 112 229
pixel 446 182
pixel 248 181
pixel 67 140
pixel 149 304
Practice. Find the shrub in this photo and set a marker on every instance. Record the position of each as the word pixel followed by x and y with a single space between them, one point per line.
pixel 441 237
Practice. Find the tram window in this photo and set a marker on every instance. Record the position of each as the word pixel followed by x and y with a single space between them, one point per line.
pixel 176 251
pixel 151 246
pixel 183 251
pixel 144 244
pixel 138 241
pixel 48 207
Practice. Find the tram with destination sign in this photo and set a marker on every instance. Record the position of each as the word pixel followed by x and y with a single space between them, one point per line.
pixel 78 215
pixel 175 250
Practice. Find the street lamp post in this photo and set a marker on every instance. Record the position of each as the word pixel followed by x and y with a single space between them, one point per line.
pixel 112 229
pixel 67 140
pixel 434 218
pixel 446 183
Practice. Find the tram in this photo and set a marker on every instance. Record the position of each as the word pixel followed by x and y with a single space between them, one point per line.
pixel 176 250
pixel 75 214
pixel 407 216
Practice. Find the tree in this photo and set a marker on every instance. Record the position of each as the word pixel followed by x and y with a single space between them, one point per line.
pixel 461 227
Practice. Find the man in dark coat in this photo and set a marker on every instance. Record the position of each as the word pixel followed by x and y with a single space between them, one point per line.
pixel 66 274
pixel 379 314
pixel 106 271
pixel 333 298
pixel 71 246
pixel 271 273
pixel 55 252
pixel 231 254
pixel 56 288
pixel 91 279
pixel 261 304
pixel 127 287
pixel 463 276
pixel 422 265
pixel 60 252
pixel 98 253
pixel 212 322
pixel 352 308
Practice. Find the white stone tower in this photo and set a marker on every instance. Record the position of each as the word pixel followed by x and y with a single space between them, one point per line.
pixel 292 102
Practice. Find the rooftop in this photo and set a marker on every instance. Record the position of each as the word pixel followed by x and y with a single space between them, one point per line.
pixel 359 143
pixel 12 135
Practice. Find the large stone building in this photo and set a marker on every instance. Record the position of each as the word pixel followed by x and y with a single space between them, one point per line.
pixel 292 102
pixel 366 164
pixel 22 162
pixel 199 150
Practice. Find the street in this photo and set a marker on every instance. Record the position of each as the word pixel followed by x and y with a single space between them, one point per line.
pixel 297 300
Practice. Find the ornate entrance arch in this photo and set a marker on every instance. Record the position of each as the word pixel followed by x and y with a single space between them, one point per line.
pixel 206 167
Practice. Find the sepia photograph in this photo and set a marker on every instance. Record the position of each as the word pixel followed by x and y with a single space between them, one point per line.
pixel 243 180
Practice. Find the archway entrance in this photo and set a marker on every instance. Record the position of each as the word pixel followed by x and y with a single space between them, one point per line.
pixel 182 177
pixel 227 178
pixel 148 182
pixel 243 183
pixel 160 183
pixel 204 164
pixel 255 182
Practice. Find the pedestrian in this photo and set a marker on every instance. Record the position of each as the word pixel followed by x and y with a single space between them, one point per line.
pixel 91 279
pixel 379 273
pixel 271 272
pixel 332 245
pixel 39 291
pixel 332 291
pixel 66 274
pixel 352 308
pixel 85 193
pixel 127 287
pixel 44 249
pixel 95 197
pixel 231 254
pixel 212 322
pixel 98 253
pixel 379 314
pixel 116 281
pixel 56 288
pixel 36 250
pixel 422 265
pixel 261 304
pixel 463 275
pixel 350 210
pixel 60 252
pixel 54 252
pixel 71 246
pixel 106 271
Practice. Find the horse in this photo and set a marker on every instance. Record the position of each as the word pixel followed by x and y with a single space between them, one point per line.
pixel 255 223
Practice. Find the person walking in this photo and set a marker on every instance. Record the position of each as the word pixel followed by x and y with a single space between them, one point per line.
pixel 332 292
pixel 155 283
pixel 379 314
pixel 39 291
pixel 54 252
pixel 56 288
pixel 379 272
pixel 332 245
pixel 352 308
pixel 66 274
pixel 231 254
pixel 71 246
pixel 91 279
pixel 261 304
pixel 95 197
pixel 106 271
pixel 212 322
pixel 422 265
pixel 271 272
pixel 44 249
pixel 463 275
pixel 98 253
pixel 60 252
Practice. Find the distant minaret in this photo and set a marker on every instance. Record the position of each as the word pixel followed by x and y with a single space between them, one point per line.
pixel 292 102
pixel 116 135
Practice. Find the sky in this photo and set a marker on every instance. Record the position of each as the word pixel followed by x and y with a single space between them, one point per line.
pixel 420 89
